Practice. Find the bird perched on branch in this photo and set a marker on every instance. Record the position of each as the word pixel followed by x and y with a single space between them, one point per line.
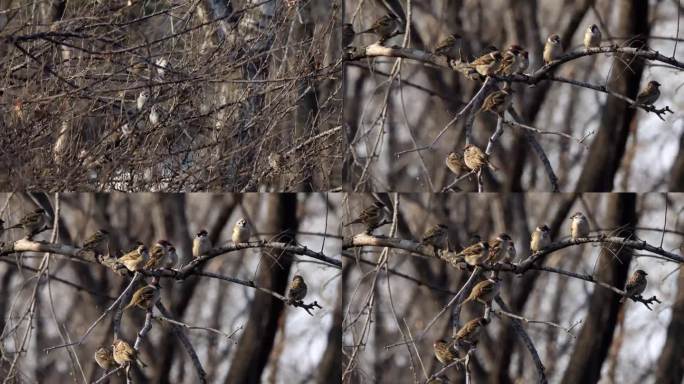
pixel 200 244
pixel 510 60
pixel 523 61
pixel 241 232
pixel 498 248
pixel 436 236
pixel 450 47
pixel 579 226
pixel 104 358
pixel 143 96
pixel 649 95
pixel 475 158
pixel 444 352
pixel 487 64
pixel 371 216
pixel 32 223
pixel 541 238
pixel 470 331
pixel 158 253
pixel 124 354
pixel 592 37
pixel 454 161
pixel 475 254
pixel 485 291
pixel 498 101
pixel 553 49
pixel 297 290
pixel 636 285
pixel 135 259
pixel 144 297
pixel 385 27
pixel 98 242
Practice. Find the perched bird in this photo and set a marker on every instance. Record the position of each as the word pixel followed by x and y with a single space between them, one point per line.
pixel 104 358
pixel 97 242
pixel 124 354
pixel 592 37
pixel 553 49
pixel 158 253
pixel 144 297
pixel 142 99
pixel 154 115
pixel 450 47
pixel 541 238
pixel 436 236
pixel 348 34
pixel 470 331
pixel 162 64
pixel 276 161
pixel 510 61
pixel 579 226
pixel 371 216
pixel 498 248
pixel 523 61
pixel 171 258
pixel 511 253
pixel 241 232
pixel 475 254
pixel 636 285
pixel 485 291
pixel 135 259
pixel 475 158
pixel 200 244
pixel 487 64
pixel 498 101
pixel 32 223
pixel 297 290
pixel 385 27
pixel 649 95
pixel 444 352
pixel 454 161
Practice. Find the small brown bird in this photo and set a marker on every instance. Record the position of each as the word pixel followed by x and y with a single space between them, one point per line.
pixel 470 331
pixel 276 161
pixel 511 253
pixel 444 352
pixel 297 290
pixel 385 27
pixel 241 232
pixel 454 161
pixel 523 61
pixel 553 49
pixel 171 258
pixel 348 35
pixel 200 244
pixel 579 226
pixel 487 64
pixel 541 238
pixel 636 285
pixel 475 254
pixel 510 60
pixel 450 47
pixel 498 248
pixel 104 358
pixel 436 236
pixel 649 95
pixel 124 354
pixel 371 216
pixel 32 223
pixel 485 291
pixel 135 259
pixel 498 101
pixel 158 254
pixel 474 158
pixel 592 37
pixel 144 297
pixel 98 242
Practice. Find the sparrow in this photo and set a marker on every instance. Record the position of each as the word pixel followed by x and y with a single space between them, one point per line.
pixel 487 64
pixel 454 161
pixel 297 290
pixel 450 47
pixel 385 27
pixel 144 297
pixel 485 291
pixel 649 95
pixel 636 285
pixel 162 64
pixel 158 253
pixel 124 354
pixel 276 161
pixel 498 101
pixel 592 37
pixel 154 115
pixel 348 34
pixel 142 99
pixel 523 61
pixel 541 238
pixel 475 159
pixel 498 248
pixel 579 226
pixel 241 232
pixel 510 61
pixel 104 358
pixel 97 242
pixel 553 49
pixel 511 253
pixel 444 352
pixel 200 244
pixel 32 223
pixel 470 331
pixel 171 258
pixel 475 254
pixel 371 216
pixel 135 259
pixel 436 236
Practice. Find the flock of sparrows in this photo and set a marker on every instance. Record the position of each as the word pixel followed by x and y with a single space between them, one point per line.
pixel 480 253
